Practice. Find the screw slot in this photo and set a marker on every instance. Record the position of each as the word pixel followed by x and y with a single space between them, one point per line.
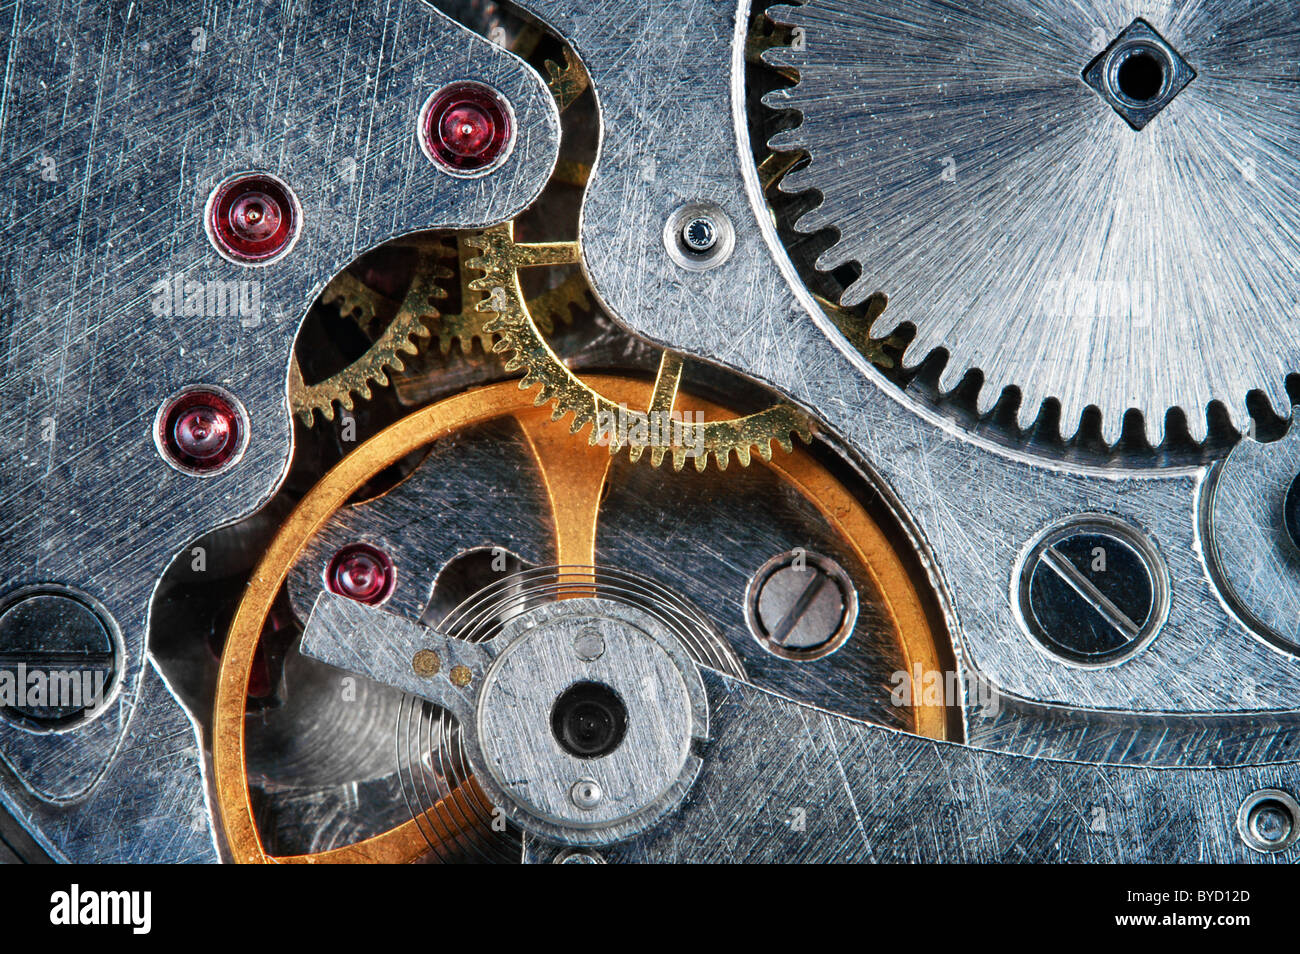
pixel 801 606
pixel 72 642
pixel 1092 591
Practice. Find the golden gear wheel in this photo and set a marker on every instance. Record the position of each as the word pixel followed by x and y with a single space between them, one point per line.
pixel 500 260
pixel 414 316
pixel 556 304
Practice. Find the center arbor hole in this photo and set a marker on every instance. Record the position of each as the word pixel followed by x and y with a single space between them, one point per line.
pixel 589 720
pixel 1141 77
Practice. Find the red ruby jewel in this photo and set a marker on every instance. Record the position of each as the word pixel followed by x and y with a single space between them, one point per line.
pixel 467 127
pixel 362 573
pixel 252 218
pixel 201 431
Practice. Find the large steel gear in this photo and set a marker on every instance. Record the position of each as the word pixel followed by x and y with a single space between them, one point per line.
pixel 986 169
pixel 501 259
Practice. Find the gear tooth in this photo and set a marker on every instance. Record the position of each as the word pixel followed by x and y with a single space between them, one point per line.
pixel 1027 413
pixel 1198 423
pixel 541 397
pixel 657 455
pixel 785 14
pixel 1279 401
pixel 799 180
pixel 787 140
pixel 679 458
pixel 787 445
pixel 951 375
pixel 742 455
pixel 326 411
pixel 782 57
pixel 1112 428
pixel 765 450
pixel 634 452
pixel 702 460
pixel 514 364
pixel 1155 428
pixel 778 99
pixel 987 398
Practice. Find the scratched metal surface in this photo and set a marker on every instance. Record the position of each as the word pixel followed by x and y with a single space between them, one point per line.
pixel 783 782
pixel 701 535
pixel 1065 254
pixel 1122 738
pixel 677 134
pixel 140 109
pixel 1248 539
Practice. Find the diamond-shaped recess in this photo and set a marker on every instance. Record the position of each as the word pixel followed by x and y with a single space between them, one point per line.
pixel 1139 74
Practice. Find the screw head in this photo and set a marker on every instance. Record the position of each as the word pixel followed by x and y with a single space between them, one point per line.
pixel 586 793
pixel 1092 591
pixel 460 676
pixel 70 641
pixel 801 605
pixel 1269 820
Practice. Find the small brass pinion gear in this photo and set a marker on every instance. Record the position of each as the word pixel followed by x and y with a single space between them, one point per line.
pixel 407 330
pixel 519 336
pixel 415 319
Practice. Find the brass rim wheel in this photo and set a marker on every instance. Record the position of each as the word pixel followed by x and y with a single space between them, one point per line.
pixel 574 474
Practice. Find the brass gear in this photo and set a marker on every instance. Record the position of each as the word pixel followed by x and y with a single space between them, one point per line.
pixel 556 304
pixel 520 335
pixel 411 323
